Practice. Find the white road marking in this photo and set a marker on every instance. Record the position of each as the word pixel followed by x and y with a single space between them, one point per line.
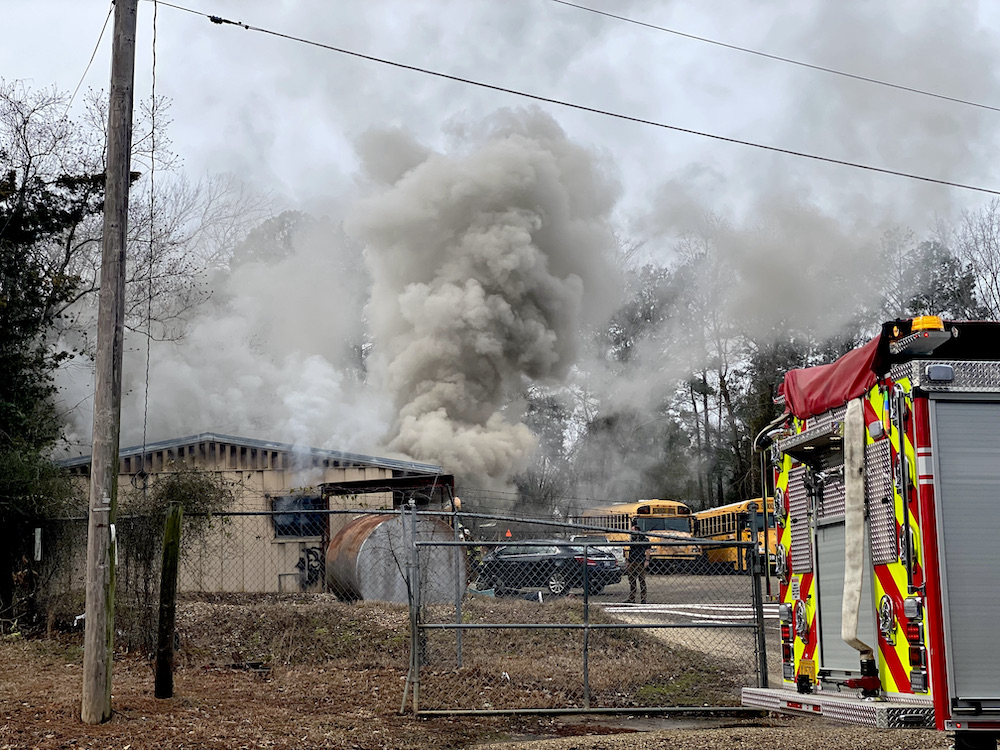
pixel 706 612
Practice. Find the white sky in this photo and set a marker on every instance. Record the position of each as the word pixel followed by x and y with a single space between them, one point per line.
pixel 283 115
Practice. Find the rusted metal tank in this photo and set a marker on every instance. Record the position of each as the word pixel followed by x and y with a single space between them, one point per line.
pixel 367 559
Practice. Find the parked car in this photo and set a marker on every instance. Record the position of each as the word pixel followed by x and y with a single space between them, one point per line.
pixel 552 564
pixel 597 541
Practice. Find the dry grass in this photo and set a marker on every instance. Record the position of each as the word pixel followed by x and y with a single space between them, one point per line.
pixel 543 668
pixel 292 630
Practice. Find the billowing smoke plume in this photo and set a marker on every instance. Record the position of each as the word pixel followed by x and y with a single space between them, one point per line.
pixel 484 267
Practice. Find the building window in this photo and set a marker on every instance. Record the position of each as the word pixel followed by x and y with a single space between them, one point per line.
pixel 291 521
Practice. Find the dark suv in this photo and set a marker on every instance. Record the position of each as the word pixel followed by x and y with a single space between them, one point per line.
pixel 547 563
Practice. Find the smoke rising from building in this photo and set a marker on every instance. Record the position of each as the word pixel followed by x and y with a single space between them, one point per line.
pixel 485 265
pixel 797 240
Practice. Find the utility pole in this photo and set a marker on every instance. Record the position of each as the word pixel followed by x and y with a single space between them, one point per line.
pixel 99 636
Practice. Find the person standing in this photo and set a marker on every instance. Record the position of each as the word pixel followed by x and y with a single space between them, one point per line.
pixel 638 562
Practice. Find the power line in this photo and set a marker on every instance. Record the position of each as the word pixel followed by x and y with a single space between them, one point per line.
pixel 152 248
pixel 93 54
pixel 581 107
pixel 779 58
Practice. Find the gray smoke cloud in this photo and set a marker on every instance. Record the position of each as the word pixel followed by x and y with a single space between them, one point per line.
pixel 802 238
pixel 271 355
pixel 486 249
pixel 485 265
pixel 792 245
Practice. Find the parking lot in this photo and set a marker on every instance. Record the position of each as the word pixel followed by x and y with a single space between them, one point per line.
pixel 664 592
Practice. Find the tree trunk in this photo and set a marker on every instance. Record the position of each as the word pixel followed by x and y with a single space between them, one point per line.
pixel 698 443
pixel 709 456
pixel 8 554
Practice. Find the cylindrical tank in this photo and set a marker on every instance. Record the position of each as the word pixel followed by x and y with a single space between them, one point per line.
pixel 367 559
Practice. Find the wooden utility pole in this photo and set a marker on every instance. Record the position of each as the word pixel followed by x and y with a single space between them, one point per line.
pixel 99 636
pixel 163 683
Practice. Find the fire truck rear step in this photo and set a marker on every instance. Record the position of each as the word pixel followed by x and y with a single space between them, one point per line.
pixel 879 714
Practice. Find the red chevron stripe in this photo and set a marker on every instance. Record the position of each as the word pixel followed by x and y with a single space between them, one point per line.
pixel 896 667
pixel 810 648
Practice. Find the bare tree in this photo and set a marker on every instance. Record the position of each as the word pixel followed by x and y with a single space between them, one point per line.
pixel 895 259
pixel 978 244
pixel 177 229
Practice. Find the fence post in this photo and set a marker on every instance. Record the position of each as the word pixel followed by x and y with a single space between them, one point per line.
pixel 586 626
pixel 460 581
pixel 164 680
pixel 413 622
pixel 758 596
pixel 417 635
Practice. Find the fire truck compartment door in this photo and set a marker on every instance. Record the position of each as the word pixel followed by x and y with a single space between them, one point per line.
pixel 834 653
pixel 966 444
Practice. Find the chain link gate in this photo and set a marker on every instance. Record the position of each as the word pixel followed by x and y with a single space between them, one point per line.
pixel 540 623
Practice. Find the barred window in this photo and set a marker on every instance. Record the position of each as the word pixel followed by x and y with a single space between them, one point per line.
pixel 289 521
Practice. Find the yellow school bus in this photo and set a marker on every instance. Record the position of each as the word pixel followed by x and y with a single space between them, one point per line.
pixel 729 523
pixel 660 520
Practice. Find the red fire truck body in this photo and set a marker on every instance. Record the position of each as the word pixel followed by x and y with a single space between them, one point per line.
pixel 887 496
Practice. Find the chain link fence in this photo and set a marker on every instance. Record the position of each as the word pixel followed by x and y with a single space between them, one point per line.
pixel 551 618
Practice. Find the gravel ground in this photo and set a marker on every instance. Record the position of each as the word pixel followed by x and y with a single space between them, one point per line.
pixel 779 733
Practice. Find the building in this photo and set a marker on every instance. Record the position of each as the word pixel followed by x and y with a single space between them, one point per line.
pixel 269 541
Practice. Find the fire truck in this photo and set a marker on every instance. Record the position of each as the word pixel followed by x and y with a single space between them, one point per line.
pixel 886 467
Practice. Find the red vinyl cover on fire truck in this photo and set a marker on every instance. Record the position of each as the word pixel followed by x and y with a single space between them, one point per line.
pixel 813 390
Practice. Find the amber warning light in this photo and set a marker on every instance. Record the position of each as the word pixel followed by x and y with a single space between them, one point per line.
pixel 926 323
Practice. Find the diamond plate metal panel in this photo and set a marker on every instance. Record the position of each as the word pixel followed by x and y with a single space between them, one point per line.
pixel 922 342
pixel 908 718
pixel 833 499
pixel 762 698
pixel 850 711
pixel 889 714
pixel 798 515
pixel 970 377
pixel 905 370
pixel 836 414
pixel 878 498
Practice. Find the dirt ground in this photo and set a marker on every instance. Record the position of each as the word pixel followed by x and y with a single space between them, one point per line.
pixel 295 674
pixel 323 707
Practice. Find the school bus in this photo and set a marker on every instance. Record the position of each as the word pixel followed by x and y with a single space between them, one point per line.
pixel 730 523
pixel 660 520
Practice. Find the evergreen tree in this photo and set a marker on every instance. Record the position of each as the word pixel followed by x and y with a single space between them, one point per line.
pixel 39 212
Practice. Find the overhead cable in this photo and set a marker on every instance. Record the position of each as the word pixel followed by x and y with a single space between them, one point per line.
pixel 581 107
pixel 93 54
pixel 779 58
pixel 152 249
